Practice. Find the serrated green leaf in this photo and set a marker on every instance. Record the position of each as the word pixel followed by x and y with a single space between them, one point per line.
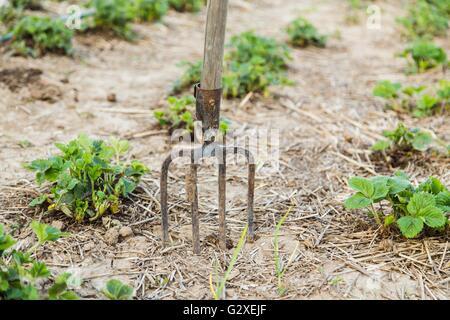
pixel 116 290
pixel 45 232
pixel 357 201
pixel 443 201
pixel 381 145
pixel 410 226
pixel 419 202
pixel 433 217
pixel 39 270
pixel 363 185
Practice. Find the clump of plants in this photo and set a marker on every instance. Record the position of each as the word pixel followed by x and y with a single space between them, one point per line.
pixel 426 18
pixel 404 139
pixel 303 33
pixel 395 201
pixel 423 55
pixel 179 115
pixel 116 290
pixel 149 10
pixel 88 178
pixel 22 277
pixel 252 64
pixel 418 100
pixel 36 36
pixel 113 15
pixel 187 5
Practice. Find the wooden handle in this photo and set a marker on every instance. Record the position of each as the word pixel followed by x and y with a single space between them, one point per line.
pixel 216 22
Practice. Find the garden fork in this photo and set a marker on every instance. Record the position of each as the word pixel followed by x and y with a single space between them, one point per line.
pixel 208 96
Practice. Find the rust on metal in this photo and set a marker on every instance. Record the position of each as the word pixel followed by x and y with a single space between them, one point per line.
pixel 208 107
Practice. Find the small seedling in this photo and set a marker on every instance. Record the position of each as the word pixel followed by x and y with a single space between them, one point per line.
pixel 423 55
pixel 219 292
pixel 36 36
pixel 303 33
pixel 116 290
pixel 180 115
pixel 88 179
pixel 404 139
pixel 413 209
pixel 418 100
pixel 281 269
pixel 187 5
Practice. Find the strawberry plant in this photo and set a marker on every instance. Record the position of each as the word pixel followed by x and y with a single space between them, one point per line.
pixel 36 36
pixel 302 33
pixel 88 179
pixel 113 15
pixel 426 19
pixel 190 76
pixel 423 55
pixel 252 64
pixel 187 5
pixel 24 278
pixel 149 10
pixel 180 115
pixel 413 209
pixel 418 100
pixel 404 139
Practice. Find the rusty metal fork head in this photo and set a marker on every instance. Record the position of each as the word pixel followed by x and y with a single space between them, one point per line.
pixel 208 112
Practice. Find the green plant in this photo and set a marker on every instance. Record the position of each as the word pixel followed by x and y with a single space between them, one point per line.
pixel 426 19
pixel 218 293
pixel 303 33
pixel 116 290
pixel 418 100
pixel 179 115
pixel 412 208
pixel 88 178
pixel 187 5
pixel 113 15
pixel 252 64
pixel 36 36
pixel 9 16
pixel 24 278
pixel 280 270
pixel 404 139
pixel 423 55
pixel 191 75
pixel 149 10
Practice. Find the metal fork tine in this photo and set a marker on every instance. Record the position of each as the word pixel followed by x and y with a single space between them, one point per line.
pixel 222 194
pixel 193 194
pixel 164 209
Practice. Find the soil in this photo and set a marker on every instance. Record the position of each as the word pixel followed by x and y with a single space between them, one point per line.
pixel 326 121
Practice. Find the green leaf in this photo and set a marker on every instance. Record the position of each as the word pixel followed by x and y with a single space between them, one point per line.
pixel 116 290
pixel 443 201
pixel 388 220
pixel 381 145
pixel 45 232
pixel 433 217
pixel 410 226
pixel 363 185
pixel 39 270
pixel 380 190
pixel 38 201
pixel 357 201
pixel 58 291
pixel 398 184
pixel 422 141
pixel 6 241
pixel 419 202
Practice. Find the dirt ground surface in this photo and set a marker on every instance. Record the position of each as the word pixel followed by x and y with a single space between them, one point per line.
pixel 327 121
